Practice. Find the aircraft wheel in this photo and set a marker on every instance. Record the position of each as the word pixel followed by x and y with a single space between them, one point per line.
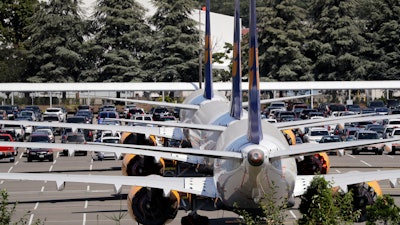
pixel 379 152
pixel 354 152
pixel 29 159
pixel 195 219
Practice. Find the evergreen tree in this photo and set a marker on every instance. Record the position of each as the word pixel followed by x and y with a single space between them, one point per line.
pixel 281 35
pixel 382 31
pixel 175 50
pixel 337 45
pixel 122 40
pixel 56 36
pixel 14 17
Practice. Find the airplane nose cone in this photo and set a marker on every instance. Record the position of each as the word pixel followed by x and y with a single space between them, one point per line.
pixel 256 157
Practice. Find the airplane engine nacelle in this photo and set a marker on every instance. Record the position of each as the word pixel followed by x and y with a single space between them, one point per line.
pixel 149 205
pixel 136 165
pixel 364 194
pixel 314 164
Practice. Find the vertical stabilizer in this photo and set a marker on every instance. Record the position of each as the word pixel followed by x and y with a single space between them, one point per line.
pixel 208 90
pixel 236 102
pixel 254 132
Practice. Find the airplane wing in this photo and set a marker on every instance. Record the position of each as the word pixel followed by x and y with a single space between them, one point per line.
pixel 196 107
pixel 180 154
pixel 332 120
pixel 166 104
pixel 342 180
pixel 204 186
pixel 157 131
pixel 309 148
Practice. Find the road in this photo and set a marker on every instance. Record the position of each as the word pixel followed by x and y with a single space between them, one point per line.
pixel 96 204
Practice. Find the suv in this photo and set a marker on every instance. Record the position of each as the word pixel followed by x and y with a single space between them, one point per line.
pixel 39 153
pixel 367 135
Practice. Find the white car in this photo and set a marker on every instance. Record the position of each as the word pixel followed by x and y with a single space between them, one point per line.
pixel 315 134
pixel 111 140
pixel 60 112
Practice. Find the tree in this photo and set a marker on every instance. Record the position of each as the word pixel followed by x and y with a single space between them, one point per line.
pixel 281 35
pixel 382 23
pixel 56 37
pixel 336 46
pixel 321 205
pixel 384 210
pixel 175 50
pixel 14 17
pixel 122 39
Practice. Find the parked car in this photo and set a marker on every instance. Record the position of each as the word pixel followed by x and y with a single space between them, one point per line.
pixel 110 140
pixel 315 134
pixel 106 114
pixel 7 151
pixel 367 135
pixel 39 153
pixel 74 138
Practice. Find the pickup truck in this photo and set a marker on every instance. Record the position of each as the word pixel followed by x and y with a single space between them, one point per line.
pixel 18 130
pixel 7 151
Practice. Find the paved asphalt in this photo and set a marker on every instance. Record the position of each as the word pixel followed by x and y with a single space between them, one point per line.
pixel 80 204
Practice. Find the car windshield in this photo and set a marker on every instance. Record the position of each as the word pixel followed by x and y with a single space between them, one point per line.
pixel 319 133
pixel 367 136
pixel 40 138
pixel 76 138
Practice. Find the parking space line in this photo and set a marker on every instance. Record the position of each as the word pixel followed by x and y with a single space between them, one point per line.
pixel 36 206
pixel 366 163
pixel 86 204
pixel 16 163
pixel 31 219
pixel 20 157
pixel 390 156
pixel 9 170
pixel 51 168
pixel 351 156
pixel 292 213
pixel 84 219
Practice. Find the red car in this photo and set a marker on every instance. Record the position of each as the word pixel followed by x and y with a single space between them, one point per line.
pixel 7 151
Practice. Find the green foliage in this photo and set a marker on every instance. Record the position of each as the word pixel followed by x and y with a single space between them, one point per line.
pixel 321 205
pixel 175 49
pixel 7 211
pixel 56 37
pixel 383 210
pixel 272 213
pixel 121 41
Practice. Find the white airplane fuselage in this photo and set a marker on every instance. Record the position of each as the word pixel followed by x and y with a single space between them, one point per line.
pixel 240 182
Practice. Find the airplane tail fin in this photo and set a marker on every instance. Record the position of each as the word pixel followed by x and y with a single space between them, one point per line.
pixel 254 133
pixel 236 101
pixel 208 89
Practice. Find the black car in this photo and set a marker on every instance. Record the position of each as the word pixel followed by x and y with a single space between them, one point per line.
pixel 74 138
pixel 39 153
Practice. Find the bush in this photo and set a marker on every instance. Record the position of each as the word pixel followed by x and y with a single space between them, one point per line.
pixel 324 206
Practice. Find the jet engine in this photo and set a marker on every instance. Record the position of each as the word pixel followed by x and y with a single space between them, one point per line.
pixel 149 206
pixel 311 164
pixel 364 194
pixel 136 165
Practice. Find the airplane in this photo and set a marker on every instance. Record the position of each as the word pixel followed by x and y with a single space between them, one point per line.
pixel 251 159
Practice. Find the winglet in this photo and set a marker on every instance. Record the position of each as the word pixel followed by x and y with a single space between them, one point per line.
pixel 208 89
pixel 236 102
pixel 254 132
